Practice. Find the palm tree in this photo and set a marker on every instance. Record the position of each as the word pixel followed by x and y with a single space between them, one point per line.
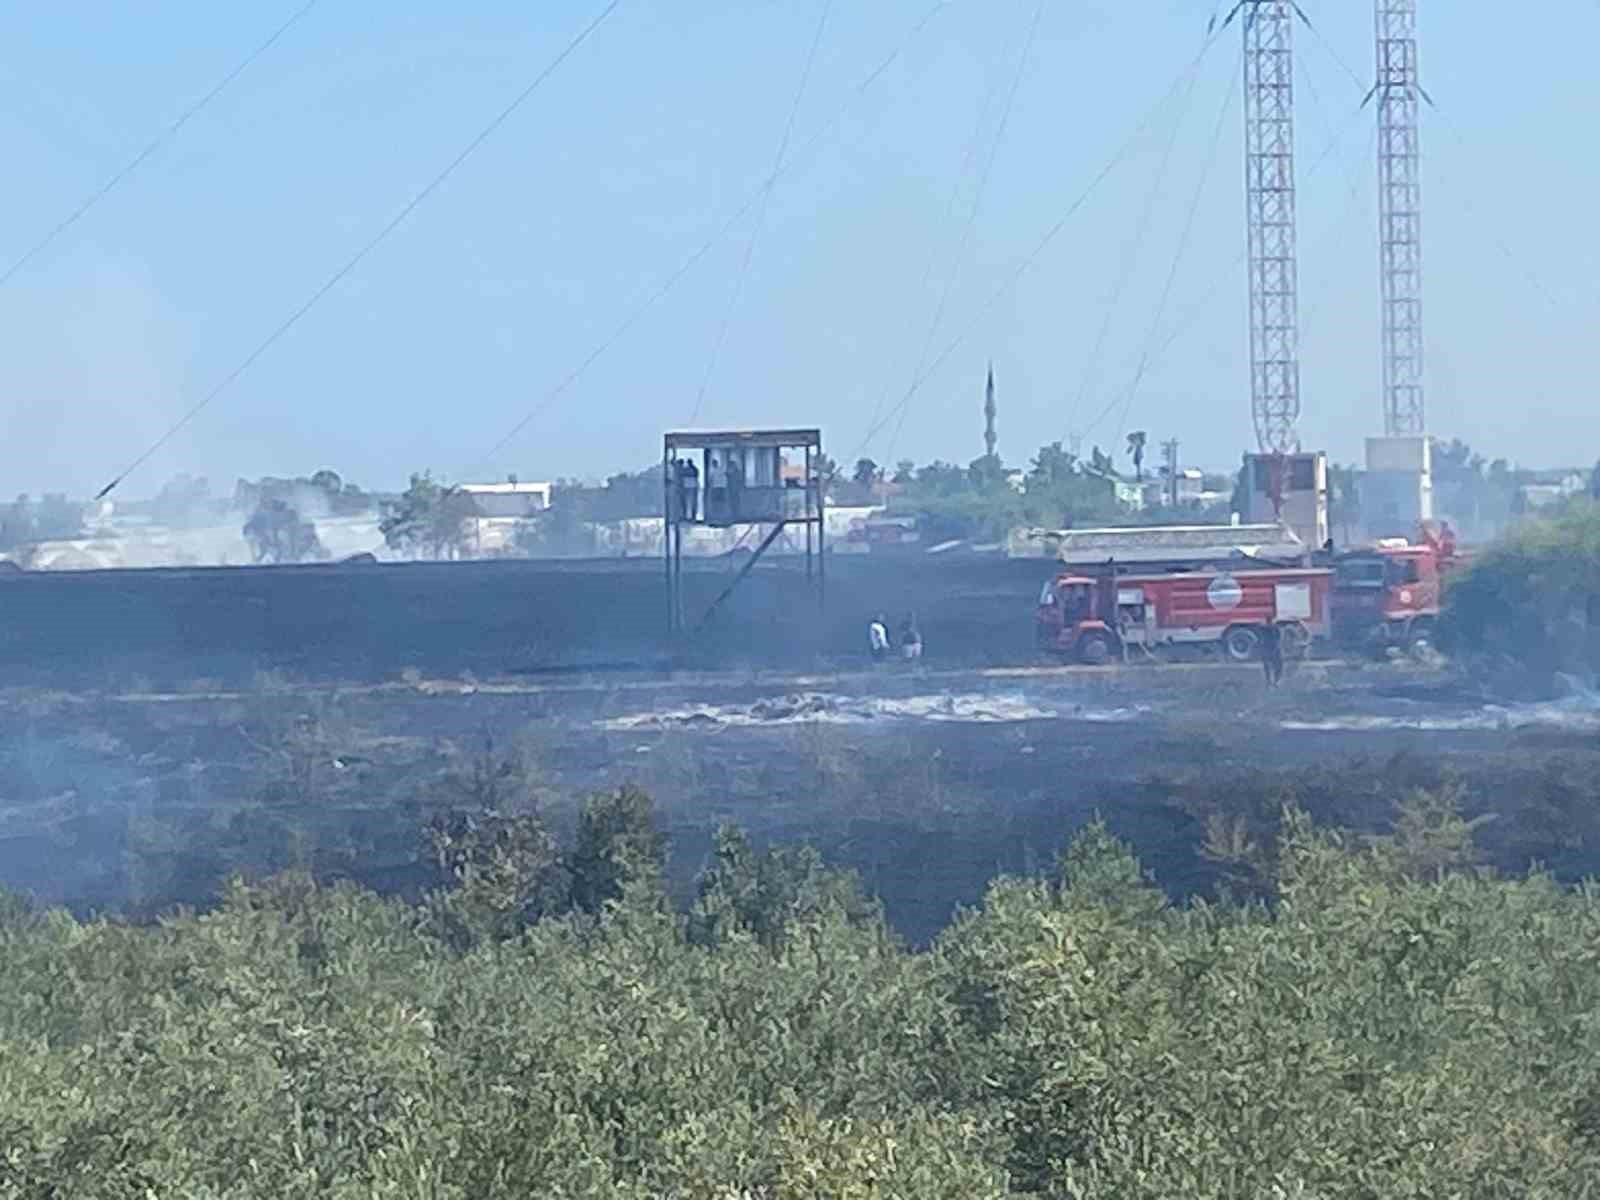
pixel 1136 441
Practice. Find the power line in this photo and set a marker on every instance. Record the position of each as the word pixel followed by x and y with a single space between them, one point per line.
pixel 166 135
pixel 1044 242
pixel 977 203
pixel 1309 320
pixel 761 213
pixel 1130 257
pixel 1172 272
pixel 967 157
pixel 705 247
pixel 382 235
pixel 1500 243
pixel 1177 258
pixel 1204 305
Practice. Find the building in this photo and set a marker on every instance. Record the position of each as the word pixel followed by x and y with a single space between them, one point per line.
pixel 1397 489
pixel 502 509
pixel 1291 488
pixel 511 499
pixel 1190 490
pixel 1542 495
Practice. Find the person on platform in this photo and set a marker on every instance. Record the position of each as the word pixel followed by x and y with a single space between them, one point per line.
pixel 878 638
pixel 689 481
pixel 716 486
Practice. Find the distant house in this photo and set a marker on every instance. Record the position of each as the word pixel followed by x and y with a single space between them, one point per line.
pixel 1128 493
pixel 1552 490
pixel 502 509
pixel 1191 488
pixel 512 499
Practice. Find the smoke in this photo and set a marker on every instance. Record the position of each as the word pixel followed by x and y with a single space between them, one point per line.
pixel 90 374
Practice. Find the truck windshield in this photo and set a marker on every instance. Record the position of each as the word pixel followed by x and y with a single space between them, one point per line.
pixel 1360 573
pixel 1402 571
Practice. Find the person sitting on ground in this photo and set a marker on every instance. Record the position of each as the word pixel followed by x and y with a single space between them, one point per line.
pixel 910 638
pixel 878 638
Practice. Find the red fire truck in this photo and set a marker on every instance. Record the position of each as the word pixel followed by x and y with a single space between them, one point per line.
pixel 1387 595
pixel 1094 618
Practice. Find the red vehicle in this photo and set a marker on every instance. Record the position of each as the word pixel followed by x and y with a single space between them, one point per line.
pixel 1094 619
pixel 1388 595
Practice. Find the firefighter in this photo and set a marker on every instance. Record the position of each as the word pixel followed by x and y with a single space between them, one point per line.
pixel 1272 653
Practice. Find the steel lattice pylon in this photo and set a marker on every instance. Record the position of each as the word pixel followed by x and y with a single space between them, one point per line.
pixel 1400 216
pixel 1270 207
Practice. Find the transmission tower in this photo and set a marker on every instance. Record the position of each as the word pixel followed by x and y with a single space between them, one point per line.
pixel 1270 211
pixel 1400 216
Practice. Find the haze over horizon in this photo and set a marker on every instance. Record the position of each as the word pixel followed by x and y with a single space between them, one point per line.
pixel 660 127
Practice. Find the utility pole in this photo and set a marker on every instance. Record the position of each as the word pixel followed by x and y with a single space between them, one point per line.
pixel 1400 216
pixel 1270 221
pixel 1169 454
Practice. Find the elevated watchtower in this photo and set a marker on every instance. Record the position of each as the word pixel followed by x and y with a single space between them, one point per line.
pixel 758 479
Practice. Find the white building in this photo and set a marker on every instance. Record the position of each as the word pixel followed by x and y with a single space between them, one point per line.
pixel 502 509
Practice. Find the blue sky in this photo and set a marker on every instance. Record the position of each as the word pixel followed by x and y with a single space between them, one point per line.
pixel 652 135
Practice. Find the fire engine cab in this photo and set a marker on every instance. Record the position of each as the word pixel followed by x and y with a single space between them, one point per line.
pixel 1388 595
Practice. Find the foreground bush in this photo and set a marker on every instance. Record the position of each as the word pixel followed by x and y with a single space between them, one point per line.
pixel 1379 1027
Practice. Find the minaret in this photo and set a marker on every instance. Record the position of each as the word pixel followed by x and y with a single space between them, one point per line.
pixel 989 438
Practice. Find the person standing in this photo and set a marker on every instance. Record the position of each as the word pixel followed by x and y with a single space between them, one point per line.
pixel 691 490
pixel 878 638
pixel 910 639
pixel 1272 653
pixel 716 486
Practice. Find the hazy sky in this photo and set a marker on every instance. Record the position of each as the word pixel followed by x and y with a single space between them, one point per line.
pixel 653 134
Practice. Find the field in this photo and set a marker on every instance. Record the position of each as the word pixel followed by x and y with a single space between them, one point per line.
pixel 928 783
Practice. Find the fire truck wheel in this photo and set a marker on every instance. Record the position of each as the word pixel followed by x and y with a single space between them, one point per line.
pixel 1094 649
pixel 1239 643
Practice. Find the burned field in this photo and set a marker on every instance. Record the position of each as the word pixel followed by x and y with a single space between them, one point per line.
pixel 928 784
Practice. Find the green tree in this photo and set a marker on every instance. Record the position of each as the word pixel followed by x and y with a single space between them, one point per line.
pixel 617 845
pixel 278 534
pixel 1136 445
pixel 429 519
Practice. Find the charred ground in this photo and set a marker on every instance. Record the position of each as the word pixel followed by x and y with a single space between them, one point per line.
pixel 927 784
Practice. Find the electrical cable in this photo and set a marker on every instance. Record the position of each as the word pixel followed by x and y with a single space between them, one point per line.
pixel 1043 243
pixel 672 280
pixel 382 235
pixel 1177 260
pixel 761 212
pixel 1205 305
pixel 1308 318
pixel 1351 175
pixel 1129 258
pixel 967 156
pixel 1368 92
pixel 166 135
pixel 972 215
